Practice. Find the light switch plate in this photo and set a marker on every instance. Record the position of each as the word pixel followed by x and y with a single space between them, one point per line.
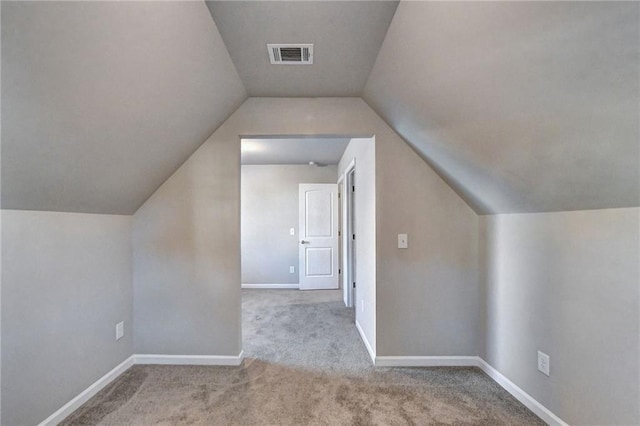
pixel 292 231
pixel 403 241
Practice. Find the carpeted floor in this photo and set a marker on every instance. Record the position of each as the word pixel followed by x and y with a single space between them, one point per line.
pixel 305 364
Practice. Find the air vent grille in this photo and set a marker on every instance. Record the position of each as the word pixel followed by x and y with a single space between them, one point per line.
pixel 290 53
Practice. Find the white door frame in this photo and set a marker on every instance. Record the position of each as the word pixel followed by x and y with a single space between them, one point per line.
pixel 341 264
pixel 348 242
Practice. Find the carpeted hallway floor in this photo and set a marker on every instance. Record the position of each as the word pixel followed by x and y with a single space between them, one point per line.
pixel 305 364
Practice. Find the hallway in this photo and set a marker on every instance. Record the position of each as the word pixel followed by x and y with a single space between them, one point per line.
pixel 309 329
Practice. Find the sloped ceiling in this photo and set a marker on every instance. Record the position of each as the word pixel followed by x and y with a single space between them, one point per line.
pixel 346 35
pixel 102 101
pixel 520 106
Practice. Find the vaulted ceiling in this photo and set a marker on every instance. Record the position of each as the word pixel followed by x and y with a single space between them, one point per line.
pixel 347 36
pixel 519 106
pixel 102 101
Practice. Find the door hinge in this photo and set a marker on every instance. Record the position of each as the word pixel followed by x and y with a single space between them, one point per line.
pixel 339 271
pixel 339 233
pixel 354 236
pixel 354 284
pixel 338 195
pixel 353 188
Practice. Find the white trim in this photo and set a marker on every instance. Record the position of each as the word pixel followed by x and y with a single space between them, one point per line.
pixel 531 403
pixel 189 359
pixel 426 361
pixel 271 286
pixel 382 361
pixel 86 394
pixel 348 257
pixel 350 166
pixel 469 361
pixel 342 270
pixel 372 353
pixel 96 387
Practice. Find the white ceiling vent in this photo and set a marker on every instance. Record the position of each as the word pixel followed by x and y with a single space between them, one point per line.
pixel 291 53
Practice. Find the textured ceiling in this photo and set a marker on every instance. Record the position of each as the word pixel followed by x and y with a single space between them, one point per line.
pixel 346 35
pixel 102 101
pixel 293 150
pixel 520 106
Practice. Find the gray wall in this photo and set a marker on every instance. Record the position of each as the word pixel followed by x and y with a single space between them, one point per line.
pixel 187 240
pixel 363 151
pixel 427 295
pixel 566 284
pixel 66 282
pixel 186 256
pixel 269 207
pixel 187 235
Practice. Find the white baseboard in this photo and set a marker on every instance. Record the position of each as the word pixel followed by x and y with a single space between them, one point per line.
pixel 382 361
pixel 470 361
pixel 271 286
pixel 372 353
pixel 426 361
pixel 89 392
pixel 189 359
pixel 96 387
pixel 531 403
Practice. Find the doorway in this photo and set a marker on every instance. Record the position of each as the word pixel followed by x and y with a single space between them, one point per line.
pixel 280 322
pixel 272 170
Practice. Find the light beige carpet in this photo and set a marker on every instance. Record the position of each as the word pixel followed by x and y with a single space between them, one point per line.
pixel 306 365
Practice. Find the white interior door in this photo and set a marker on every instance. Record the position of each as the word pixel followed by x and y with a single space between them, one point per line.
pixel 318 248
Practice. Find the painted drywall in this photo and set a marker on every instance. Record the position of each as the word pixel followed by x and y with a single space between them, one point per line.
pixel 102 101
pixel 186 237
pixel 428 294
pixel 363 152
pixel 66 282
pixel 269 208
pixel 567 284
pixel 342 57
pixel 187 240
pixel 295 150
pixel 520 106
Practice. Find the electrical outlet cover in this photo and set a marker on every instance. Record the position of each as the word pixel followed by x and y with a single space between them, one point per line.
pixel 119 330
pixel 543 363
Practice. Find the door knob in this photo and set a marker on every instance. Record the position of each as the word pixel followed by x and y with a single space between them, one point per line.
pixel 304 242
